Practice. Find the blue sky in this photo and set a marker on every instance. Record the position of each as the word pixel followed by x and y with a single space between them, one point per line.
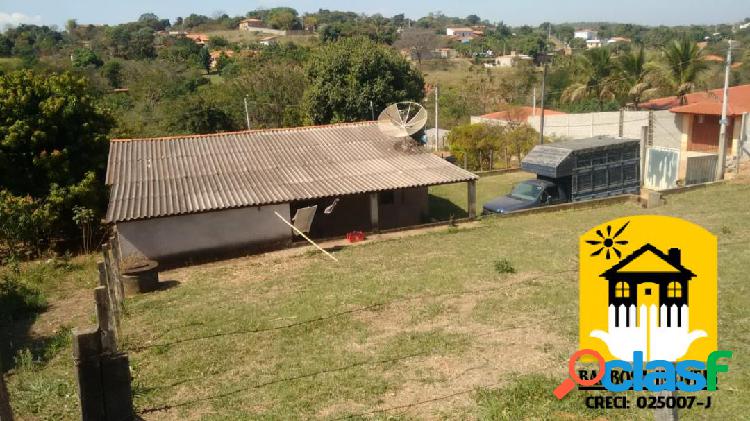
pixel 517 12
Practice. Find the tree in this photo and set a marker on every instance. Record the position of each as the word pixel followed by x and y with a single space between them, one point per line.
pixel 84 57
pixel 637 76
pixel 684 61
pixel 473 20
pixel 112 71
pixel 596 82
pixel 345 77
pixel 53 141
pixel 195 115
pixel 420 41
pixel 204 58
pixel 475 144
pixel 282 18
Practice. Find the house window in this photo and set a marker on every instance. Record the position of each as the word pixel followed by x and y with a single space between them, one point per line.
pixel 622 290
pixel 674 290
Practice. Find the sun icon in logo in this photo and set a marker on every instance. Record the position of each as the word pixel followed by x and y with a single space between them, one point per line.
pixel 609 241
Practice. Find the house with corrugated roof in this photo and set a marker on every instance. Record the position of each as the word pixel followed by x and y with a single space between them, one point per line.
pixel 176 197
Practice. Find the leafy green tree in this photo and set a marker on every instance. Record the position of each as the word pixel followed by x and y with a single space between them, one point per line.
pixel 597 81
pixel 637 76
pixel 475 143
pixel 282 18
pixel 685 64
pixel 204 58
pixel 112 71
pixel 84 57
pixel 53 141
pixel 346 76
pixel 195 115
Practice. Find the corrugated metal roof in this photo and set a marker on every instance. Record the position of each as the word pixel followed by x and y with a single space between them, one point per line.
pixel 556 159
pixel 190 174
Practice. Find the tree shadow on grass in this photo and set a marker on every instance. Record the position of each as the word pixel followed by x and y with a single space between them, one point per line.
pixel 442 209
pixel 21 348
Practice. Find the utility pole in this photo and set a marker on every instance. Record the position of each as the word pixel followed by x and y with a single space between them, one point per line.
pixel 724 121
pixel 437 128
pixel 372 111
pixel 541 119
pixel 533 103
pixel 544 82
pixel 247 114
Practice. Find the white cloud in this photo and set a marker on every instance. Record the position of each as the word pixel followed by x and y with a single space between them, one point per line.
pixel 15 18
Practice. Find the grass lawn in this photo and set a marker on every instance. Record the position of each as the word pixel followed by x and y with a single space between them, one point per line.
pixel 416 327
pixel 451 199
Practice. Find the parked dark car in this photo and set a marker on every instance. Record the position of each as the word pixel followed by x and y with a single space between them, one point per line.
pixel 525 195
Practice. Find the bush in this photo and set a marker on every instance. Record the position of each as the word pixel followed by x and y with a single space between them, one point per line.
pixel 504 266
pixel 18 297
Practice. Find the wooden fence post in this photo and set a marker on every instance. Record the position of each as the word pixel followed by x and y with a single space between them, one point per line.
pixel 86 352
pixel 107 323
pixel 118 394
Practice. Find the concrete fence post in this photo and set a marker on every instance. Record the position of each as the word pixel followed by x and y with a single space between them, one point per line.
pixel 621 130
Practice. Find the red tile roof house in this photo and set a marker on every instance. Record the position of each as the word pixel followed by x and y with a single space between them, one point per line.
pixel 701 115
pixel 512 116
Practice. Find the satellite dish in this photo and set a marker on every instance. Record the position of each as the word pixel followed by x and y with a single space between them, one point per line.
pixel 402 119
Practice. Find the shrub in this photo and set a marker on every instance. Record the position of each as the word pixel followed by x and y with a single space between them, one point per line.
pixel 504 266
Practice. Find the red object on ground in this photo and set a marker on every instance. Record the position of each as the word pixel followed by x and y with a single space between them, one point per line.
pixel 355 236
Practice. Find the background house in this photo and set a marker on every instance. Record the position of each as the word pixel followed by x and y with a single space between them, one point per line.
pixel 513 116
pixel 172 198
pixel 699 115
pixel 510 60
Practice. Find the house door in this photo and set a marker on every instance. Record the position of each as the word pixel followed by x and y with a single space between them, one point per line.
pixel 648 294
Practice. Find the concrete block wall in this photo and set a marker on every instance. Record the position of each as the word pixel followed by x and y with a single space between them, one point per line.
pixel 576 126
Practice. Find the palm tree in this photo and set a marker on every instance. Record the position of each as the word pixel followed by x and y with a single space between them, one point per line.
pixel 685 63
pixel 638 76
pixel 597 81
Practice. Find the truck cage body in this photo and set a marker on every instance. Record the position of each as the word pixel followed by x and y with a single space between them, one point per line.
pixel 588 168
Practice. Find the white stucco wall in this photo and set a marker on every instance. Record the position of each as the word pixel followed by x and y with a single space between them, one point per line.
pixel 173 236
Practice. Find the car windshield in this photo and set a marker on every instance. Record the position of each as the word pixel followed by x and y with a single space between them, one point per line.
pixel 526 191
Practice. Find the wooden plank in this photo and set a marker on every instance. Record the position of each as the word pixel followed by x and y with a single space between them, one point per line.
pixel 118 394
pixel 86 350
pixel 106 321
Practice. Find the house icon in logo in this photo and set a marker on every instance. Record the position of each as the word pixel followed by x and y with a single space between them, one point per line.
pixel 649 277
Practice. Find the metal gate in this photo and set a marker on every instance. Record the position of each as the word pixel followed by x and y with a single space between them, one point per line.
pixel 701 168
pixel 662 165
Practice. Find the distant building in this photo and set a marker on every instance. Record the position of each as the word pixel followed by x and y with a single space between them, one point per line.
pixel 510 60
pixel 251 24
pixel 200 39
pixel 586 34
pixel 512 116
pixel 216 55
pixel 446 53
pixel 459 32
pixel 268 41
pixel 615 40
pixel 593 43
